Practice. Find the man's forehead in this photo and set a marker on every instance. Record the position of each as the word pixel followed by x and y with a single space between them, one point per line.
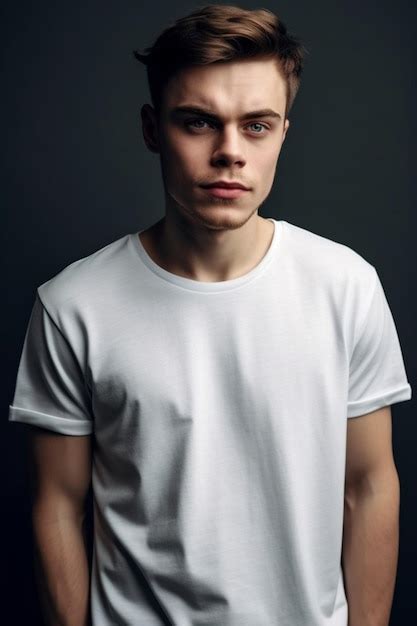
pixel 228 89
pixel 227 76
pixel 208 87
pixel 212 104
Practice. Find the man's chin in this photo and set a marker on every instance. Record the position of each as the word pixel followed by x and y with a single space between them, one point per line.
pixel 220 216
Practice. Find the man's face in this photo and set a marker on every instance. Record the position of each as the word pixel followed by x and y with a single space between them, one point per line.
pixel 198 148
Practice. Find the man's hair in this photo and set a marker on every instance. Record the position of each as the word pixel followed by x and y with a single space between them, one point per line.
pixel 221 33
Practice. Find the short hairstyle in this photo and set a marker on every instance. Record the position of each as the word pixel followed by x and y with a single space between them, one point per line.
pixel 220 33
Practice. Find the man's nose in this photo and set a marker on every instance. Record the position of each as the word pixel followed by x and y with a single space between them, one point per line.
pixel 229 147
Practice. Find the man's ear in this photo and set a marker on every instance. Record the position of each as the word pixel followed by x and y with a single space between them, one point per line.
pixel 150 127
pixel 286 127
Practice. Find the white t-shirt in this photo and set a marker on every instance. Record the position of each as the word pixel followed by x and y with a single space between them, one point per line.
pixel 219 414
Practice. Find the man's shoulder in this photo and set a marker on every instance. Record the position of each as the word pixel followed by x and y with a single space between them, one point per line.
pixel 329 261
pixel 85 280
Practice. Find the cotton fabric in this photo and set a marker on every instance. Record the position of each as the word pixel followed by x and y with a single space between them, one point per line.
pixel 218 412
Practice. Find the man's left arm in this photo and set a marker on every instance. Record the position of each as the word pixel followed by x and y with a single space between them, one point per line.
pixel 371 519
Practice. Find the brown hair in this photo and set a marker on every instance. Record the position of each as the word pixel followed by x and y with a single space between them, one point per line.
pixel 220 33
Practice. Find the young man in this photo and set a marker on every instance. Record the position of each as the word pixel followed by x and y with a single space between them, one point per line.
pixel 203 373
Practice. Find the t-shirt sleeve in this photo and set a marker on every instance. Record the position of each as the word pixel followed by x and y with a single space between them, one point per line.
pixel 377 375
pixel 50 389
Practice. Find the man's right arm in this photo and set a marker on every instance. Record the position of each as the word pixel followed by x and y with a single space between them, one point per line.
pixel 60 476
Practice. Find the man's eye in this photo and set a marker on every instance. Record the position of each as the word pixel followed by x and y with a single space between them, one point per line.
pixel 259 124
pixel 192 123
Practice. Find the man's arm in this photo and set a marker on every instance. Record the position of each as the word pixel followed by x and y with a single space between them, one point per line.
pixel 371 519
pixel 60 476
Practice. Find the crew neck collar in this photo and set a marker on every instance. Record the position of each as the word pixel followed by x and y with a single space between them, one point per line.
pixel 205 286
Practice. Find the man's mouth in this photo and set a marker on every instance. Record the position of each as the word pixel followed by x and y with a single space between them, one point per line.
pixel 225 192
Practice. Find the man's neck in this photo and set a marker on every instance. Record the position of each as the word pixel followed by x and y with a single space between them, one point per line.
pixel 225 258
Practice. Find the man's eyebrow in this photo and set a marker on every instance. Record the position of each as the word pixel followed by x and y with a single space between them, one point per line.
pixel 179 110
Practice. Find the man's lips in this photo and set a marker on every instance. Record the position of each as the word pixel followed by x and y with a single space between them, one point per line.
pixel 225 192
pixel 222 184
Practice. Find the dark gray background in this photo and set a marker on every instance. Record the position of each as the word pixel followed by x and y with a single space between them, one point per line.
pixel 76 175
